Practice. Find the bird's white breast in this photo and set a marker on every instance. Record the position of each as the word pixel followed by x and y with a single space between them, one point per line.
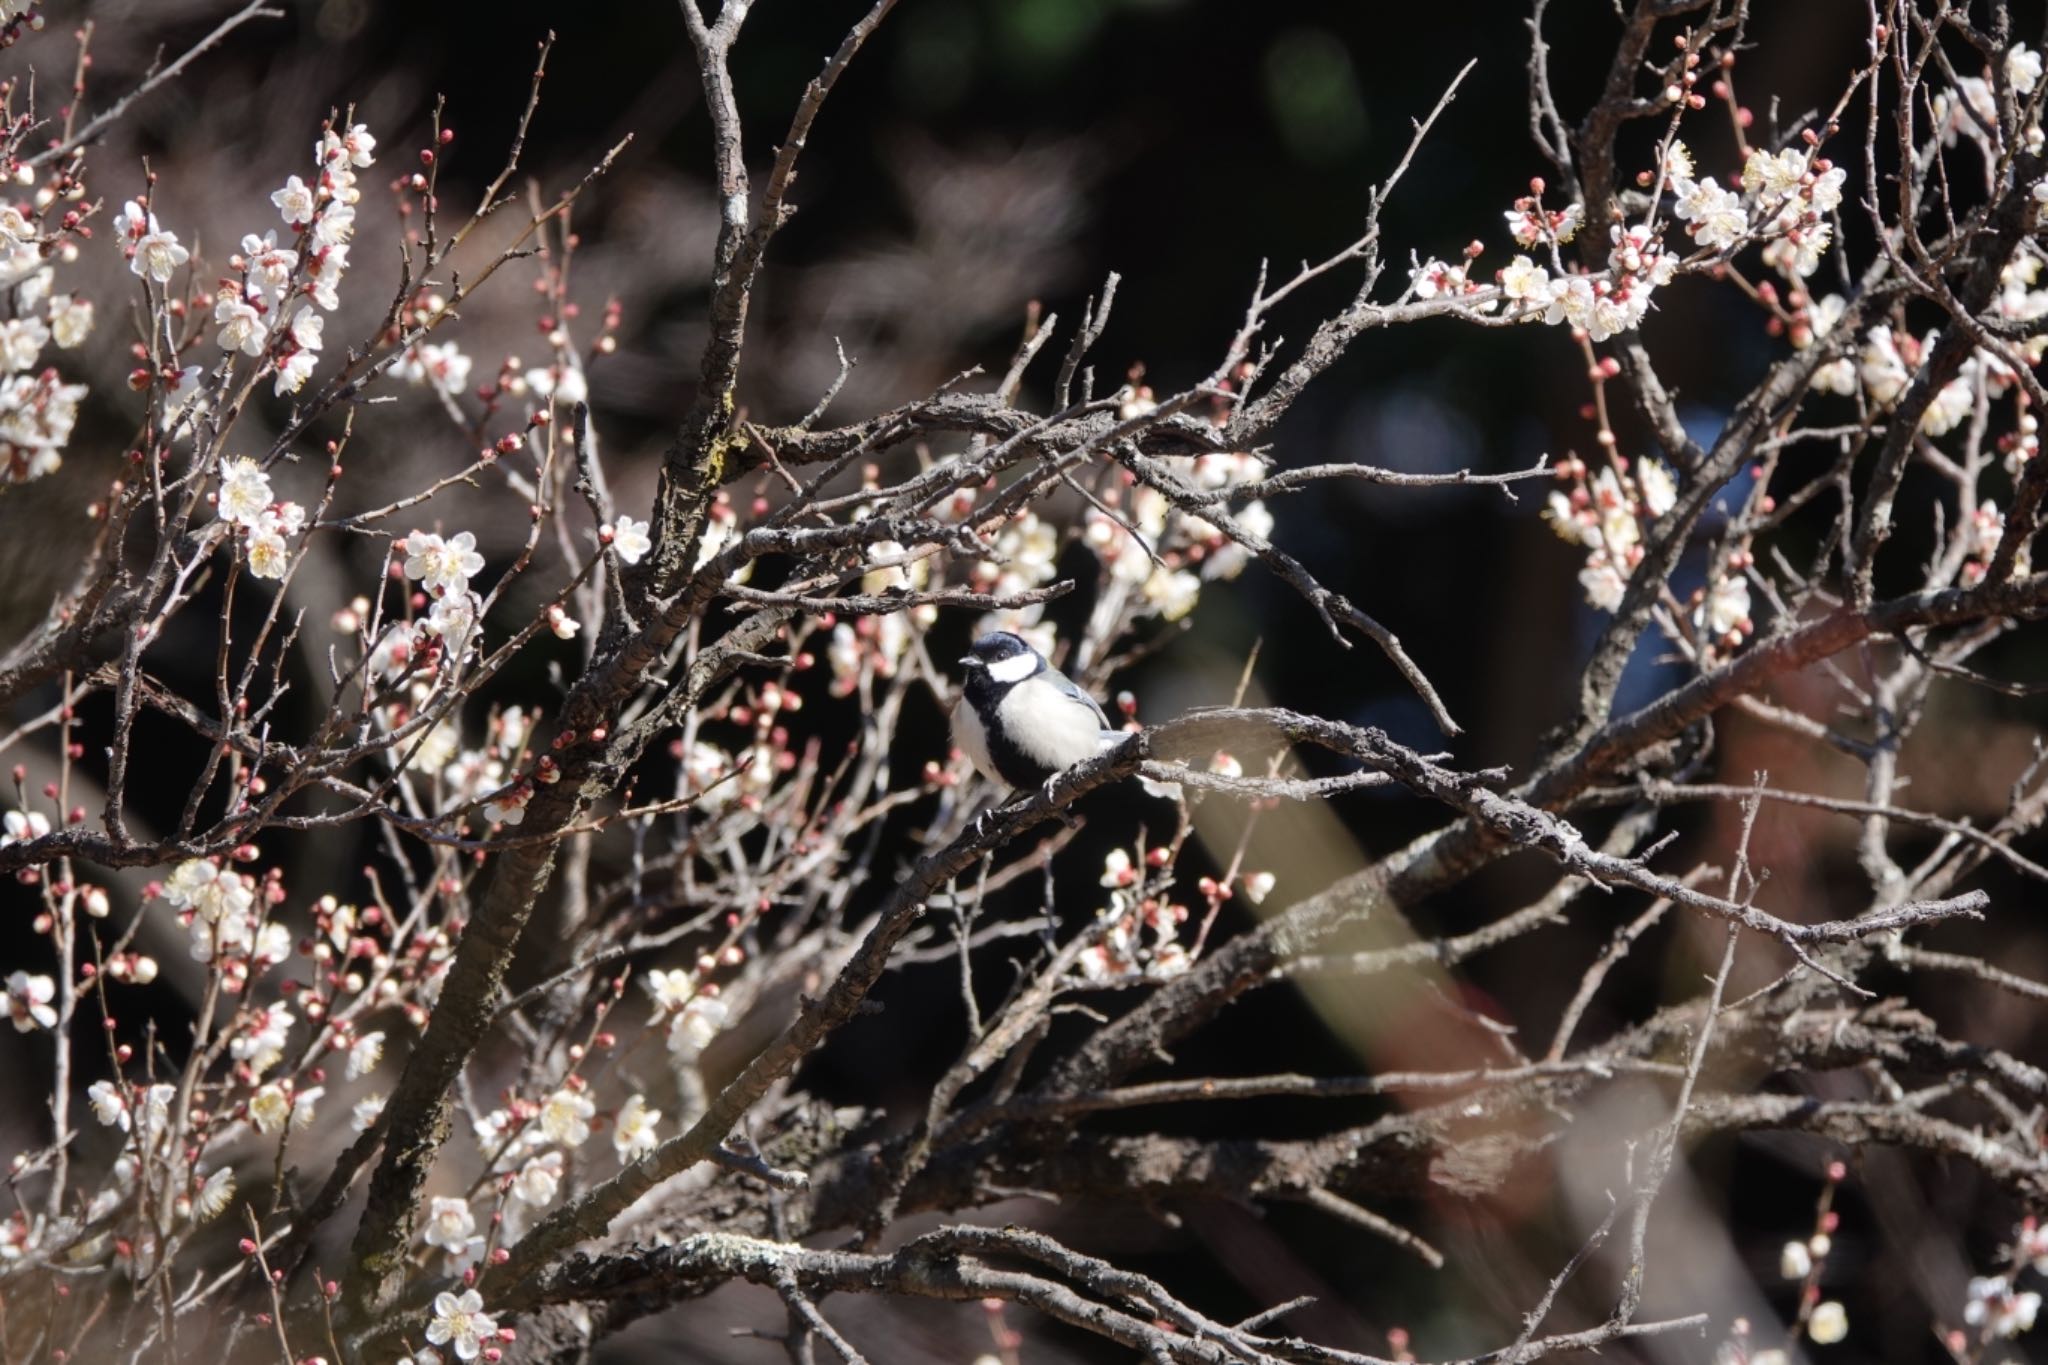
pixel 1047 725
pixel 972 740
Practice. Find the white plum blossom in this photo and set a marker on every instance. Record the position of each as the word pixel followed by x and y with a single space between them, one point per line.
pixel 184 402
pixel 435 748
pixel 269 266
pixel 565 1117
pixel 156 1109
pixel 1660 489
pixel 1572 525
pixel 1794 1261
pixel 1774 175
pixel 1953 110
pixel 1571 301
pixel 18 827
pixel 719 530
pixel 1525 281
pixel 2023 68
pixel 1530 226
pixel 1116 869
pixel 70 320
pixel 696 1025
pixel 1799 251
pixel 28 1001
pixel 107 1105
pixel 1837 376
pixel 273 944
pixel 364 1054
pixel 244 492
pixel 269 556
pixel 509 806
pixel 671 990
pixel 1619 531
pixel 151 250
pixel 454 620
pixel 473 773
pixel 560 384
pixel 1437 279
pixel 327 271
pixel 629 538
pixel 1994 1304
pixel 462 1323
pixel 335 225
pixel 1726 610
pixel 363 1115
pixel 1950 406
pixel 1825 194
pixel 354 148
pixel 449 1225
pixel 241 325
pixel 261 1043
pixel 270 1108
pixel 1883 371
pixel 307 327
pixel 1604 584
pixel 21 341
pixel 393 651
pixel 1172 592
pixel 1228 561
pixel 215 1193
pixel 295 203
pixel 221 903
pixel 539 1180
pixel 444 565
pixel 293 373
pixel 1717 216
pixel 1829 1323
pixel 443 366
pixel 634 1134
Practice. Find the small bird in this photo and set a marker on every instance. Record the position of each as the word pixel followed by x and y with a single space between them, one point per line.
pixel 1021 720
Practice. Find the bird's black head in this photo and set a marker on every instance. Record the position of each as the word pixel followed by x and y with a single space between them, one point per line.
pixel 1002 658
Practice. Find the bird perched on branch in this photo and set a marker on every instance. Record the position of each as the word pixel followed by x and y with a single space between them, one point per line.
pixel 1021 720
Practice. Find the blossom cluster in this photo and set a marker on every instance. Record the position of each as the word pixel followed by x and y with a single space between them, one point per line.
pixel 245 501
pixel 1784 201
pixel 37 408
pixel 1781 199
pixel 271 1050
pixel 1610 512
pixel 1996 1306
pixel 1156 555
pixel 258 314
pixel 1138 934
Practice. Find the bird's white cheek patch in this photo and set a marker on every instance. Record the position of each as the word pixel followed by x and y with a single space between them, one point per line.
pixel 1013 670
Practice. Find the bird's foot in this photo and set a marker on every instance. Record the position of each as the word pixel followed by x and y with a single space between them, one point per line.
pixel 1067 816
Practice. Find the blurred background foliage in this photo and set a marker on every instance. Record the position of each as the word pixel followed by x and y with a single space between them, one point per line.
pixel 983 154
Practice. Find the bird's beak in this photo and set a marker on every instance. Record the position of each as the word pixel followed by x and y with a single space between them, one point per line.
pixel 969 661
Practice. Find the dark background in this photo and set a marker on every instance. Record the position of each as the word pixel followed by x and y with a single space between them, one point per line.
pixel 982 154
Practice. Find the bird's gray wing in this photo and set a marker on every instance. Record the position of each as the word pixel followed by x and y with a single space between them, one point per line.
pixel 1073 689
